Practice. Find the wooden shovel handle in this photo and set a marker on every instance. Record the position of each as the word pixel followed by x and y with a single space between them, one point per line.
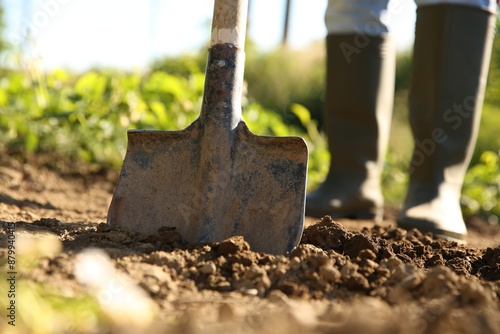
pixel 229 22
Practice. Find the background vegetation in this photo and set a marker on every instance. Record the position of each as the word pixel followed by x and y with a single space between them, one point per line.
pixel 83 117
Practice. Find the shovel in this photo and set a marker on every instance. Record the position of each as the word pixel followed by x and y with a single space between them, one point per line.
pixel 215 179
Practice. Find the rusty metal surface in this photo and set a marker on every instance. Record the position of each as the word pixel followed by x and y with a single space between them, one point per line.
pixel 215 179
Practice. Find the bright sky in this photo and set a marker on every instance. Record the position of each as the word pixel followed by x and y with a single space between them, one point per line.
pixel 130 33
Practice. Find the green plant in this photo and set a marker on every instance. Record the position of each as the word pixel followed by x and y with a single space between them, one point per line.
pixel 183 65
pixel 86 117
pixel 481 191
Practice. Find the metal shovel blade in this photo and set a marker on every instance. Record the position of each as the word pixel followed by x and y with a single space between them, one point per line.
pixel 257 191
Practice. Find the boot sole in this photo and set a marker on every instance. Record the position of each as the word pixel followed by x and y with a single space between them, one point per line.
pixel 426 227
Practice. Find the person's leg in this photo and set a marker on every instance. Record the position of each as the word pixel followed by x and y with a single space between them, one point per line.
pixel 450 65
pixel 358 110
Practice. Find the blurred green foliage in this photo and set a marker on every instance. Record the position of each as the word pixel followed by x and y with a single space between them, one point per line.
pixel 84 117
pixel 282 77
pixel 42 308
pixel 481 192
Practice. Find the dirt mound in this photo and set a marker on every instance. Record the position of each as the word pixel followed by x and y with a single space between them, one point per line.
pixel 384 268
pixel 341 278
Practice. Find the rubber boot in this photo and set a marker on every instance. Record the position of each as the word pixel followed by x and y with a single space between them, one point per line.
pixel 359 102
pixel 450 65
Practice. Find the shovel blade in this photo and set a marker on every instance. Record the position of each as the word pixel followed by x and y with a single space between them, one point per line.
pixel 257 189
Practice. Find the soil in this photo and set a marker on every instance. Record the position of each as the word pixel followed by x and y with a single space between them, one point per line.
pixel 346 276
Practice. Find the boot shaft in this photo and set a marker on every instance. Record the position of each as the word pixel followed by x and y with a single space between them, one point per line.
pixel 450 65
pixel 359 101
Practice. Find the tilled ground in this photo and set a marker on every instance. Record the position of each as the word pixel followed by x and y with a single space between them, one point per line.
pixel 342 278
